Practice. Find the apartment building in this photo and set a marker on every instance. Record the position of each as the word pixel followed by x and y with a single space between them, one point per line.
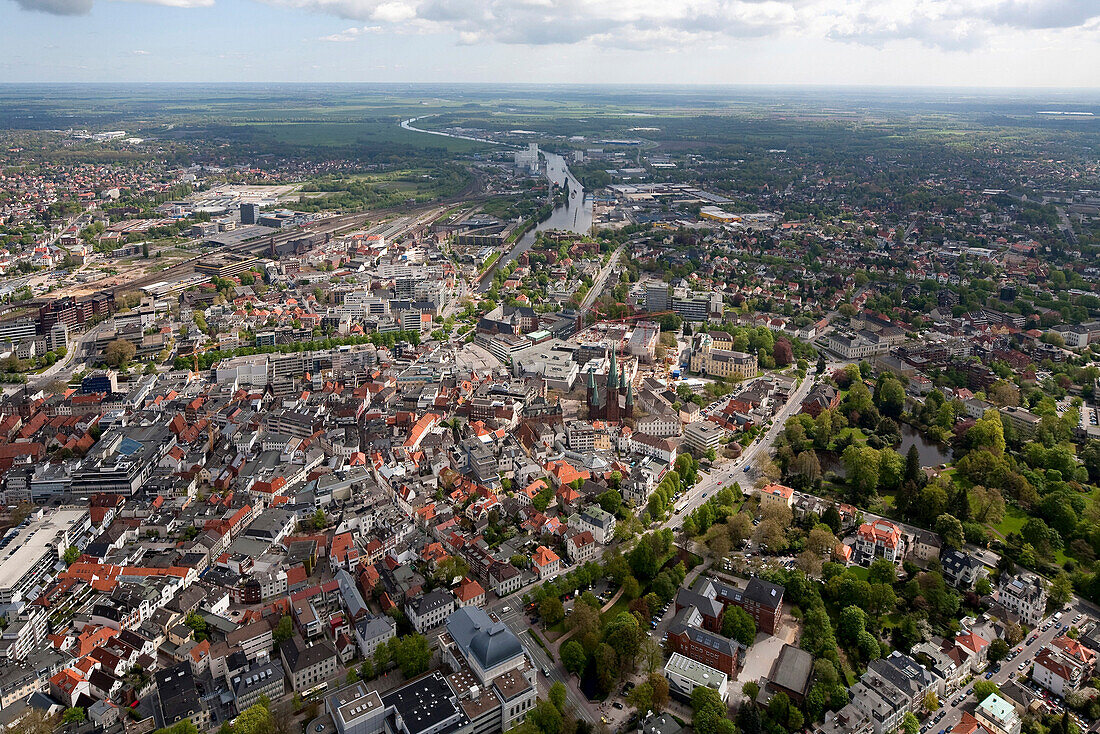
pixel 1023 594
pixel 879 539
pixel 1063 666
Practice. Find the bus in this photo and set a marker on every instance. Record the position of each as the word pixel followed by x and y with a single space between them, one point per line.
pixel 316 692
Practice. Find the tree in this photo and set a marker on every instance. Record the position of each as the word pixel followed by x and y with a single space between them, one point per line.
pixel 584 620
pixel 546 717
pixel 951 530
pixel 738 625
pixel 932 701
pixel 557 695
pixel 119 352
pixel 891 397
pixel 411 653
pixel 607 667
pixel 643 560
pixel 542 499
pixel 782 352
pixel 989 505
pixel 707 710
pixel 610 501
pixel 195 621
pixel 912 465
pixel 998 650
pixel 74 715
pixel 853 621
pixel 1061 589
pixel 573 657
pixel 71 554
pixel 909 723
pixel 551 611
pixel 805 470
pixel 255 719
pixel 862 465
pixel 650 695
pixel 882 571
pixel 624 635
pixel 453 567
pixel 869 648
pixel 751 690
pixel 284 630
pixel 983 689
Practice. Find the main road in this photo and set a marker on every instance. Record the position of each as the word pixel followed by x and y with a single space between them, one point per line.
pixel 738 470
pixel 516 620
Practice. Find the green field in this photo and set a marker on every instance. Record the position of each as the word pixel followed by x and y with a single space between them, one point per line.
pixel 348 134
pixel 1013 521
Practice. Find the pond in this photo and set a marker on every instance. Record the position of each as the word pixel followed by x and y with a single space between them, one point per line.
pixel 931 454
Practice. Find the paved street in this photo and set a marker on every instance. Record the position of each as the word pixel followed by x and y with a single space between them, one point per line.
pixel 517 622
pixel 954 704
pixel 735 471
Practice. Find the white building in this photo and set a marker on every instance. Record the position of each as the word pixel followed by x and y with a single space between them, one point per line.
pixel 685 675
pixel 1024 595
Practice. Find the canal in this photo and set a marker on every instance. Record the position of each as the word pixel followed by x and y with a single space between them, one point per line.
pixel 575 215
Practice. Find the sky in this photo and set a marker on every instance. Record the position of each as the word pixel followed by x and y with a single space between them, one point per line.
pixel 965 43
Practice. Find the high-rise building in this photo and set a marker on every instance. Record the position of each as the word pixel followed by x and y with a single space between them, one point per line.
pixel 656 297
pixel 528 160
pixel 250 213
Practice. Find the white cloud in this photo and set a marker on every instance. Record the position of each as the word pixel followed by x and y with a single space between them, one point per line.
pixel 139 52
pixel 350 34
pixel 682 25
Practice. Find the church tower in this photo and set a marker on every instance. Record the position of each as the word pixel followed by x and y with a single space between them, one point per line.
pixel 612 402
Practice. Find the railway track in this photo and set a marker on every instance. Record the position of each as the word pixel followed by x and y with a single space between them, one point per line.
pixel 333 225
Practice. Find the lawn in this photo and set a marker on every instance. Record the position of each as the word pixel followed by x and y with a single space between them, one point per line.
pixel 859 572
pixel 622 605
pixel 338 134
pixel 1013 521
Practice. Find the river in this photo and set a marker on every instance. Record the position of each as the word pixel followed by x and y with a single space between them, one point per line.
pixel 575 215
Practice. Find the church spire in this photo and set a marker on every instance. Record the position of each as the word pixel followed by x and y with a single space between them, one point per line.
pixel 613 374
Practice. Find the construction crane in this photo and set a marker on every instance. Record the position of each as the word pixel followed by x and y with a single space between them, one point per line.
pixel 627 319
pixel 197 351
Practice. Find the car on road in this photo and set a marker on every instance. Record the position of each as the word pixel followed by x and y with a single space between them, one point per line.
pixel 506 610
pixel 704 495
pixel 1022 665
pixel 989 675
pixel 618 705
pixel 546 672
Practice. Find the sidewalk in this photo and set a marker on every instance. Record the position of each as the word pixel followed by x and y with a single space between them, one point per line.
pixel 555 646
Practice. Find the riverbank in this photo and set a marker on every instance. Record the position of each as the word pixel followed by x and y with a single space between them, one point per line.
pixel 544 212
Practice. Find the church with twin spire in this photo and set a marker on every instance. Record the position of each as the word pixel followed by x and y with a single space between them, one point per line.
pixel 615 401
